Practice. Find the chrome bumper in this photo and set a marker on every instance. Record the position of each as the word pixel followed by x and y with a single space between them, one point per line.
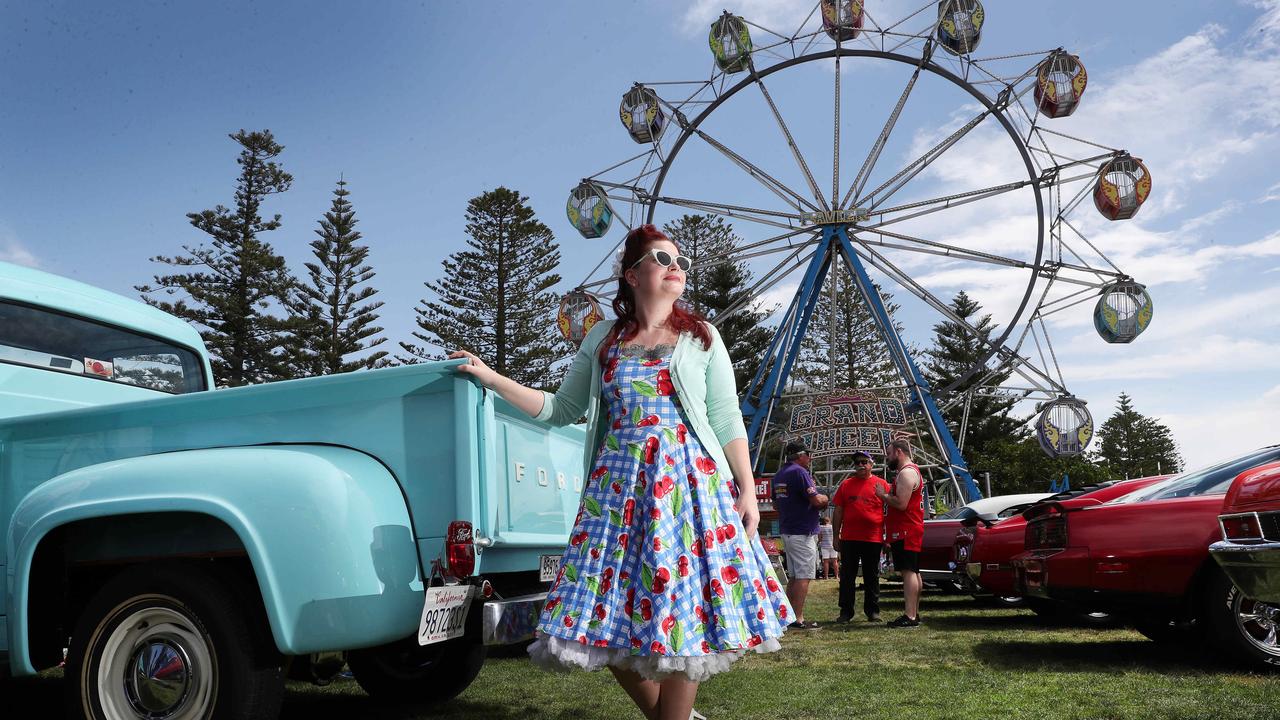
pixel 1255 569
pixel 937 575
pixel 512 620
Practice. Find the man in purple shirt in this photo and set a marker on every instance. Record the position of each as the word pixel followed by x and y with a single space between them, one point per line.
pixel 797 500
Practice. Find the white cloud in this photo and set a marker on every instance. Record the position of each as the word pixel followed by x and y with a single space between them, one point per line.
pixel 1210 353
pixel 785 16
pixel 779 296
pixel 1188 111
pixel 1229 425
pixel 781 16
pixel 13 251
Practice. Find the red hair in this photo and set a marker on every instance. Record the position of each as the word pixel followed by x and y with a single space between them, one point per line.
pixel 682 319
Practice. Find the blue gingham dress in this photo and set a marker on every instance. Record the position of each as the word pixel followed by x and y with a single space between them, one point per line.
pixel 658 575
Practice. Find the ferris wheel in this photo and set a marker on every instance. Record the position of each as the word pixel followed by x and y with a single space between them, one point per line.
pixel 944 169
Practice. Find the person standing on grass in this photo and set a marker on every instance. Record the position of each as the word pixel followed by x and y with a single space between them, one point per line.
pixel 858 520
pixel 827 549
pixel 798 502
pixel 905 526
pixel 664 580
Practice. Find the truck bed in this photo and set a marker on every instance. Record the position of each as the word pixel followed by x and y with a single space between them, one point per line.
pixel 457 451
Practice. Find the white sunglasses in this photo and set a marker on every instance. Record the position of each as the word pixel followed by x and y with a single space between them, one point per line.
pixel 665 259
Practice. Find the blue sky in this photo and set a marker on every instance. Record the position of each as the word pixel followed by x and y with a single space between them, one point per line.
pixel 115 117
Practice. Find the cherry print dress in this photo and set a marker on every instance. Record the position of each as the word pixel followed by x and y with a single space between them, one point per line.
pixel 658 576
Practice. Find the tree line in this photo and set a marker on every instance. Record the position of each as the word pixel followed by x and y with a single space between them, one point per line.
pixel 262 322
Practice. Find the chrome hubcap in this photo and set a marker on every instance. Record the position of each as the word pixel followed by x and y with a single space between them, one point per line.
pixel 1258 622
pixel 160 678
pixel 157 664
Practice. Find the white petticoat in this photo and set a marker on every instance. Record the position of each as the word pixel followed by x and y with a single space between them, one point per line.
pixel 560 655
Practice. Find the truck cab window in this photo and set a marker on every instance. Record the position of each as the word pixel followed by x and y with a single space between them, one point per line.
pixel 39 338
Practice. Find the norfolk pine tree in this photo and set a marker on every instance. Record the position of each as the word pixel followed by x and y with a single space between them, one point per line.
pixel 495 299
pixel 954 351
pixel 1134 445
pixel 861 356
pixel 335 301
pixel 710 290
pixel 236 278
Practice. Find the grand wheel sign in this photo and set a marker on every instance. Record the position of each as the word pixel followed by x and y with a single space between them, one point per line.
pixel 843 423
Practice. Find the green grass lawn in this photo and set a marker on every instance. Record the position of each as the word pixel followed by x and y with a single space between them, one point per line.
pixel 968 660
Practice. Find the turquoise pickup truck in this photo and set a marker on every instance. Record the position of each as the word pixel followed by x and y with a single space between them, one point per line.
pixel 185 549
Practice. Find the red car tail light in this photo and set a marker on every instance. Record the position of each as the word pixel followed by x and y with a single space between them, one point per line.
pixel 962 545
pixel 1047 529
pixel 1242 527
pixel 459 549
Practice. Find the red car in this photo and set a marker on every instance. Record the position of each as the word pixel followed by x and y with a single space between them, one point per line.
pixel 1145 556
pixel 982 549
pixel 1249 551
pixel 936 566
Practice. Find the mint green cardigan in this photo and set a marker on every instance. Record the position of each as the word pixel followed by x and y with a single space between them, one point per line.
pixel 703 380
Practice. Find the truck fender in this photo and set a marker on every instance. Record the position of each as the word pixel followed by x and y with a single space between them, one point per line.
pixel 326 530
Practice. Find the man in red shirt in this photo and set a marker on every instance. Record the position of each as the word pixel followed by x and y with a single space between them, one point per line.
pixel 858 522
pixel 904 525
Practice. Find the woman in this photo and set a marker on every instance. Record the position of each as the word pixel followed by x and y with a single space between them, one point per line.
pixel 664 580
pixel 827 549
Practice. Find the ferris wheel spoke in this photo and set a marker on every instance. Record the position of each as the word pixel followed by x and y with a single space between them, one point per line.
pixel 869 163
pixel 933 247
pixel 904 176
pixel 887 189
pixel 780 272
pixel 791 143
pixel 773 217
pixel 774 185
pixel 921 9
pixel 751 249
pixel 946 202
pixel 738 256
pixel 881 263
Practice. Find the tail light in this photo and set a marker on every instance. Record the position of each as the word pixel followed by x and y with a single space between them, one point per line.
pixel 1250 527
pixel 962 545
pixel 1047 529
pixel 459 549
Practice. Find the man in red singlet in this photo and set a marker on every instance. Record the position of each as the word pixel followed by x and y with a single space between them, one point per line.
pixel 904 526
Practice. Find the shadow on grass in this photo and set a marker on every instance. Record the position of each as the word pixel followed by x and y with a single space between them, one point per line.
pixel 1028 623
pixel 34 692
pixel 854 626
pixel 938 603
pixel 303 704
pixel 1117 655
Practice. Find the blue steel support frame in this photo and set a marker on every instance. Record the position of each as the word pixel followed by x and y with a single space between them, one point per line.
pixel 758 400
pixel 917 385
pixel 776 365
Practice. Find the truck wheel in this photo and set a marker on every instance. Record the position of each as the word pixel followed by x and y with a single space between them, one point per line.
pixel 170 641
pixel 1009 601
pixel 405 673
pixel 1242 628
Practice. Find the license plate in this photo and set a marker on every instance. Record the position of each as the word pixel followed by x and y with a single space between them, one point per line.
pixel 549 567
pixel 444 613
